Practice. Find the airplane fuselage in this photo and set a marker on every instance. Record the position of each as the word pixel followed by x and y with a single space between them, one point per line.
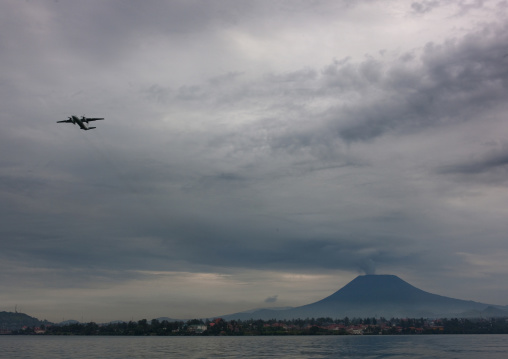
pixel 82 124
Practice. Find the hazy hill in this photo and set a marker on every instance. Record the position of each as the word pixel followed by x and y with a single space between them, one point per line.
pixel 167 319
pixel 14 321
pixel 380 296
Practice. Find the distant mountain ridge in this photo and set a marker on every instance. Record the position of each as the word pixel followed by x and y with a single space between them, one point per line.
pixel 364 297
pixel 15 321
pixel 380 296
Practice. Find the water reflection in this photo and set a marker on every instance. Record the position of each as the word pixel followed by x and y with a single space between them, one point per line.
pixel 78 347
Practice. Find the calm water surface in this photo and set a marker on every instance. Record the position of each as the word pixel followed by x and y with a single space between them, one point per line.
pixel 423 346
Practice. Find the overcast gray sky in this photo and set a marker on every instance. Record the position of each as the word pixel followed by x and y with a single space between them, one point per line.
pixel 254 153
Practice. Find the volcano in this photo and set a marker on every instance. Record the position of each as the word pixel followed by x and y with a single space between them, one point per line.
pixel 379 296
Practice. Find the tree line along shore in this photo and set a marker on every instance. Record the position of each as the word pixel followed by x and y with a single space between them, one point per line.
pixel 319 326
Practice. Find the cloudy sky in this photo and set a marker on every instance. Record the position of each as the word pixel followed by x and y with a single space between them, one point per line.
pixel 254 153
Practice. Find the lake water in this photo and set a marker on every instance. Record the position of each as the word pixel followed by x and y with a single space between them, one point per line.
pixel 421 346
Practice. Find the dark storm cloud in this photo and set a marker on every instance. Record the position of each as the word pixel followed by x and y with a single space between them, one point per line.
pixel 488 164
pixel 248 245
pixel 450 82
pixel 424 6
pixel 224 79
pixel 158 93
pixel 488 168
pixel 441 84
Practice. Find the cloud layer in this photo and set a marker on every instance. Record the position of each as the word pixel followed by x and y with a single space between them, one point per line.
pixel 252 153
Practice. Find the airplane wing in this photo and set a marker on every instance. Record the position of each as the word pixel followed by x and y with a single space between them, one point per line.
pixel 93 119
pixel 66 121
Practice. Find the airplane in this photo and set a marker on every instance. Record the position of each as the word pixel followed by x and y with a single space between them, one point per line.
pixel 82 122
